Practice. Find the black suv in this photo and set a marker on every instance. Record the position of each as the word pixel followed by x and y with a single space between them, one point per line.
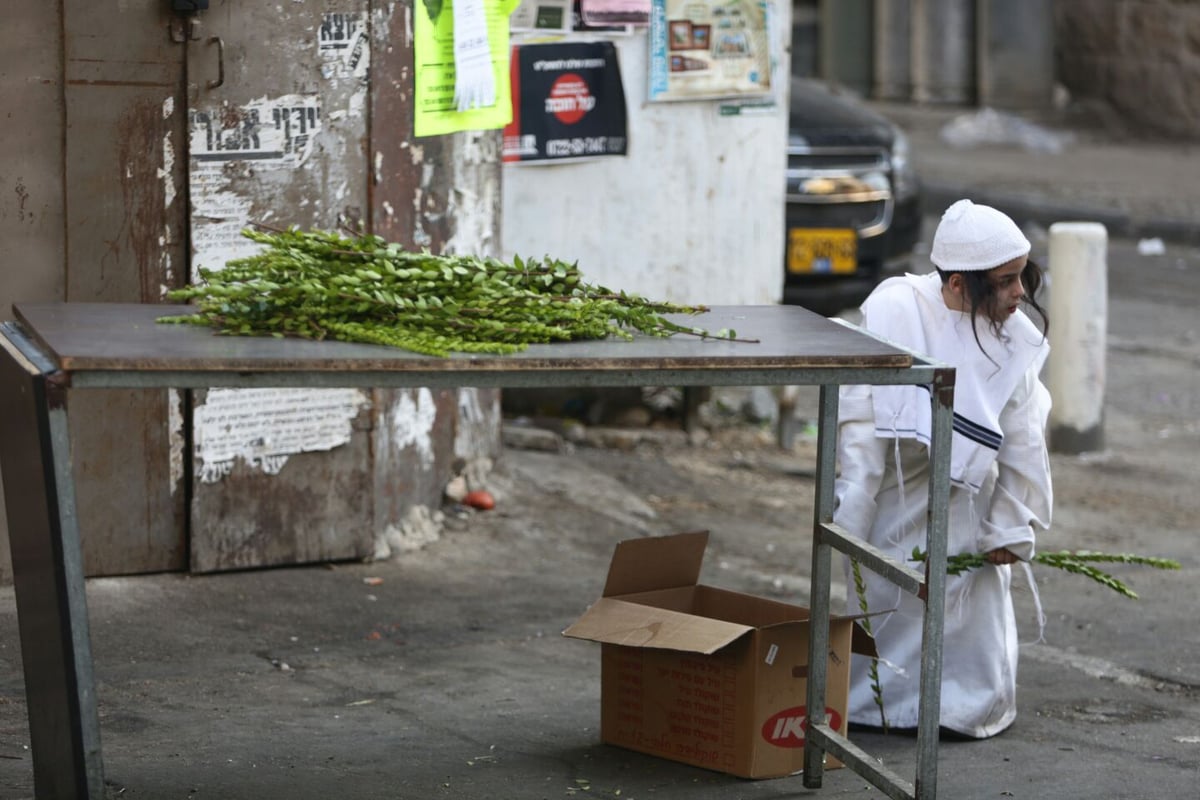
pixel 853 200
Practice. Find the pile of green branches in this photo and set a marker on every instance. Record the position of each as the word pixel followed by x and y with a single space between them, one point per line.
pixel 322 285
pixel 1080 563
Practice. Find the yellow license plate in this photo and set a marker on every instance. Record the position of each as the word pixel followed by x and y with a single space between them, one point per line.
pixel 832 251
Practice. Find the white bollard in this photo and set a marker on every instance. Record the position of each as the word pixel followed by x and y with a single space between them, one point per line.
pixel 1078 309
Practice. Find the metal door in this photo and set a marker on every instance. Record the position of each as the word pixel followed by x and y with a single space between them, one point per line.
pixel 124 229
pixel 282 132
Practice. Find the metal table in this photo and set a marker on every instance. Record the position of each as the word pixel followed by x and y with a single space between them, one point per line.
pixel 53 348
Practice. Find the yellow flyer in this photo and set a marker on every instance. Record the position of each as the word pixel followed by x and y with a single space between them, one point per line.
pixel 437 101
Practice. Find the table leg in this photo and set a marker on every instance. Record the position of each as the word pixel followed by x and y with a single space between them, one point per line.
pixel 819 586
pixel 48 579
pixel 930 708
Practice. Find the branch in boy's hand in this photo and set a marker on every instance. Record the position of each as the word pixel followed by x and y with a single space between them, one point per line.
pixel 1079 563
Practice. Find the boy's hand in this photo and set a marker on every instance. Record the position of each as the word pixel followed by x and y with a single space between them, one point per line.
pixel 1001 556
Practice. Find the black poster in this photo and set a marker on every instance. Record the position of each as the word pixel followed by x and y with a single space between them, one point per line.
pixel 568 103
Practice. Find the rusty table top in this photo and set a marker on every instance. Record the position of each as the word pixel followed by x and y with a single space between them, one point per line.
pixel 98 338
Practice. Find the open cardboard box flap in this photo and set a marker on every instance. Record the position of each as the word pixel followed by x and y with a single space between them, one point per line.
pixel 660 562
pixel 651 594
pixel 614 621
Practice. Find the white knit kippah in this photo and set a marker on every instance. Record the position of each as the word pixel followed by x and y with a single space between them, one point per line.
pixel 972 237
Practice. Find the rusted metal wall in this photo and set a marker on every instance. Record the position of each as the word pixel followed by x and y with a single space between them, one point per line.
pixel 334 150
pixel 148 146
pixel 89 213
pixel 277 129
pixel 442 193
pixel 31 166
pixel 260 498
pixel 125 234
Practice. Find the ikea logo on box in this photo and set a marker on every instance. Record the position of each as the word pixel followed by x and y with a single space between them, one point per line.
pixel 786 728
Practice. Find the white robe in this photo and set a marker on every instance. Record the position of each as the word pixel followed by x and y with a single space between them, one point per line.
pixel 998 493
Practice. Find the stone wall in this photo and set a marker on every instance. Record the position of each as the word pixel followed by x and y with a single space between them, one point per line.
pixel 1140 57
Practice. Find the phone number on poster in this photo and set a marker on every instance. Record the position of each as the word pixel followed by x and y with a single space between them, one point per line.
pixel 582 146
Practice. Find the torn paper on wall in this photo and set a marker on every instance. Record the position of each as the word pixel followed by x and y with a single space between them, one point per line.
pixel 262 427
pixel 412 419
pixel 228 143
pixel 343 45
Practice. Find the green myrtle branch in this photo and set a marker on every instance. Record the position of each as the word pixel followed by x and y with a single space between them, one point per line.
pixel 860 588
pixel 1078 563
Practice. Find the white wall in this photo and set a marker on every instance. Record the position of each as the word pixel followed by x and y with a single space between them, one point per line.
pixel 693 214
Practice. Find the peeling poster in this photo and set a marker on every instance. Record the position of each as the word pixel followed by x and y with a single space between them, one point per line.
pixel 265 426
pixel 267 133
pixel 343 46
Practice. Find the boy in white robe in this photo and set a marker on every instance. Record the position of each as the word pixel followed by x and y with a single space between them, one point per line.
pixel 965 314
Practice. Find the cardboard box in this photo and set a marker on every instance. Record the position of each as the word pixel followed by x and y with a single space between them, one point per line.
pixel 702 675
